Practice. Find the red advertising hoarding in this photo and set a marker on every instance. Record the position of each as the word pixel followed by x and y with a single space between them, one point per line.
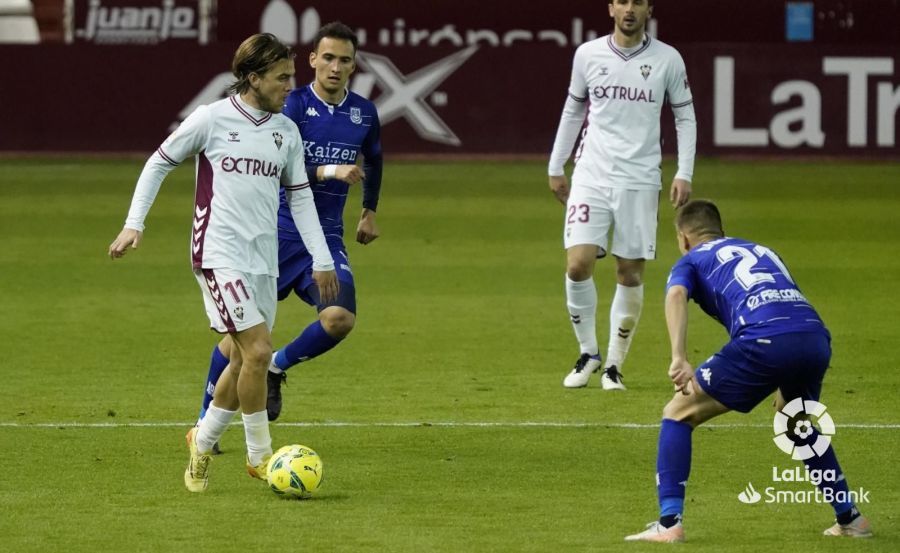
pixel 459 78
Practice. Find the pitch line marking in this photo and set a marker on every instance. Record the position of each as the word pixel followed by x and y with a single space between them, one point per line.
pixel 442 424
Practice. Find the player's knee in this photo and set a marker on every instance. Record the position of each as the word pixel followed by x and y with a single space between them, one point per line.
pixel 681 409
pixel 257 357
pixel 630 275
pixel 337 322
pixel 578 270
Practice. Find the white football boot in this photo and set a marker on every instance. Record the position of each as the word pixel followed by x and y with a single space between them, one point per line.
pixel 586 365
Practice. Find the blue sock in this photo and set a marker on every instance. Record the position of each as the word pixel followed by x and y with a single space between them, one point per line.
pixel 217 364
pixel 832 487
pixel 314 341
pixel 673 465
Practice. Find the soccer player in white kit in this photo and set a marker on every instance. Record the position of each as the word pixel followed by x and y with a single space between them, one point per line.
pixel 625 77
pixel 245 151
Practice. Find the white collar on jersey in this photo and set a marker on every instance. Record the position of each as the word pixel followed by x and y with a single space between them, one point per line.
pixel 628 52
pixel 330 105
pixel 255 112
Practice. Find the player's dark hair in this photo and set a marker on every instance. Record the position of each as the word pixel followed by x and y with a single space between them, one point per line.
pixel 337 30
pixel 699 218
pixel 256 55
pixel 649 2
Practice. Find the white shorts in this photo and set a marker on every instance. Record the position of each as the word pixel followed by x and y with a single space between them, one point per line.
pixel 236 301
pixel 632 214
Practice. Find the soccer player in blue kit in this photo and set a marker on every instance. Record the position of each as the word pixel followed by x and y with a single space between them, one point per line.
pixel 778 344
pixel 336 126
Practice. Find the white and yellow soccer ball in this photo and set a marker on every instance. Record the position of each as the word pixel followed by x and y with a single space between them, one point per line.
pixel 295 471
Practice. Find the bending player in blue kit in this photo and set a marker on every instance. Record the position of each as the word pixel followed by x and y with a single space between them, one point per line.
pixel 778 344
pixel 336 126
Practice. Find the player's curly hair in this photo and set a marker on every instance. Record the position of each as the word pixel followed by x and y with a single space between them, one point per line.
pixel 699 218
pixel 338 30
pixel 256 55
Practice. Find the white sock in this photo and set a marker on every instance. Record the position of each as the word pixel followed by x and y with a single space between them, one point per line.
pixel 212 426
pixel 624 314
pixel 256 432
pixel 581 299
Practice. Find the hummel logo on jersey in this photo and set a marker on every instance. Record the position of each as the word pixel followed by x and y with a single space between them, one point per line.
pixel 311 112
pixel 604 70
pixel 278 139
pixel 706 373
pixel 645 71
pixel 233 137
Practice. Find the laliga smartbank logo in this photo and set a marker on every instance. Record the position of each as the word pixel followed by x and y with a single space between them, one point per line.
pixel 794 430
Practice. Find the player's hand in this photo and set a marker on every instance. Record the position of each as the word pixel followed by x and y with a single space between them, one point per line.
pixel 351 174
pixel 680 192
pixel 682 373
pixel 128 237
pixel 328 285
pixel 560 188
pixel 367 229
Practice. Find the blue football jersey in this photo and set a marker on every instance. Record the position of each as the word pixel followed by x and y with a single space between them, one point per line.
pixel 746 287
pixel 334 134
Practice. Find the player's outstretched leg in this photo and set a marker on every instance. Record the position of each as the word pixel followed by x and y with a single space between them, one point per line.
pixel 334 324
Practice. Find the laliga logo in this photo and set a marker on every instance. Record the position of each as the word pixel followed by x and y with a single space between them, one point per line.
pixel 803 429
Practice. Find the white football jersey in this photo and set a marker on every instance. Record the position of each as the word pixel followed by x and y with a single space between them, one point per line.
pixel 626 90
pixel 243 155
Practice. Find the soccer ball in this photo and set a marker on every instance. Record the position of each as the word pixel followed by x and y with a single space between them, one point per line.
pixel 295 471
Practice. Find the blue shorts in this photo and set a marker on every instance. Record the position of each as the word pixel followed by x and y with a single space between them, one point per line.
pixel 745 372
pixel 295 274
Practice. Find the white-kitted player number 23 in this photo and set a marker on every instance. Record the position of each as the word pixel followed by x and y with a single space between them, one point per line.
pixel 581 211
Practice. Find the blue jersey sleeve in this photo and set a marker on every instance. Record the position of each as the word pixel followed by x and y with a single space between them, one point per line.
pixel 682 274
pixel 373 164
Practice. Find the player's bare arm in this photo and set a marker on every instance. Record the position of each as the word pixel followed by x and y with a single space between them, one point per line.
pixel 680 370
pixel 680 192
pixel 128 237
pixel 559 185
pixel 351 174
pixel 367 229
pixel 327 283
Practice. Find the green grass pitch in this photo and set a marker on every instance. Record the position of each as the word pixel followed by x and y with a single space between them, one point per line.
pixel 442 422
